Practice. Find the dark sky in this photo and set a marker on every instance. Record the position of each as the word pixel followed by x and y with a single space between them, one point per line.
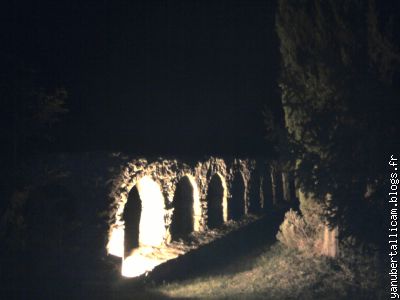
pixel 154 77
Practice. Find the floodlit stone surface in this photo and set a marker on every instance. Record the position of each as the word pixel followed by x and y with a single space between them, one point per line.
pixel 151 227
pixel 113 199
pixel 181 204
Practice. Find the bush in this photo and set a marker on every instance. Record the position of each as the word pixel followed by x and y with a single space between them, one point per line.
pixel 296 233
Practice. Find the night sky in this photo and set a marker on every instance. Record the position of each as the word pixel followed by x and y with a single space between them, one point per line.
pixel 153 77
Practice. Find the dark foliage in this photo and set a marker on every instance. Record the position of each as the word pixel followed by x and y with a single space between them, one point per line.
pixel 339 83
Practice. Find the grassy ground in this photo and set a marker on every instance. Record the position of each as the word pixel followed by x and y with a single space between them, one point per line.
pixel 282 273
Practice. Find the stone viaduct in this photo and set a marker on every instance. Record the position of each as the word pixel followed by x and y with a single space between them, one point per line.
pixel 164 208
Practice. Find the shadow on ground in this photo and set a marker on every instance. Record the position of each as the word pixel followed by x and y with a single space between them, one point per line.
pixel 214 258
pixel 221 253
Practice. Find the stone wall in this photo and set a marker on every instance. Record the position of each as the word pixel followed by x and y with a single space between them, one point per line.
pixel 221 192
pixel 175 205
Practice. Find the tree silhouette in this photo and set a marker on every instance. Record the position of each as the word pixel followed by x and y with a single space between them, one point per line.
pixel 339 69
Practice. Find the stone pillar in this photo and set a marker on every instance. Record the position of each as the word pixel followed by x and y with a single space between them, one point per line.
pixel 276 180
pixel 330 246
pixel 286 187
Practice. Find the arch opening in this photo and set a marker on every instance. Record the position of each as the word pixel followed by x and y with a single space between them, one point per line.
pixel 144 226
pixel 237 201
pixel 183 218
pixel 215 201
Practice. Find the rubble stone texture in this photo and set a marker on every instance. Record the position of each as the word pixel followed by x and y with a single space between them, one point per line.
pixel 211 196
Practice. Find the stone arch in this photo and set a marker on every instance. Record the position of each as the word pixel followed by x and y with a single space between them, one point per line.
pixel 160 177
pixel 146 228
pixel 187 210
pixel 216 201
pixel 237 203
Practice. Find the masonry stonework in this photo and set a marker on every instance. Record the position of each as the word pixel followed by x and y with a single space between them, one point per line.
pixel 242 190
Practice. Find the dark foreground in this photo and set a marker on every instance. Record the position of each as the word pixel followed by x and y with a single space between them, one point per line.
pixel 245 264
pixel 45 276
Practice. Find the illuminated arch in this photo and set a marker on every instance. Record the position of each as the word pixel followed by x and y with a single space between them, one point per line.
pixel 216 201
pixel 187 209
pixel 146 233
pixel 134 234
pixel 149 230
